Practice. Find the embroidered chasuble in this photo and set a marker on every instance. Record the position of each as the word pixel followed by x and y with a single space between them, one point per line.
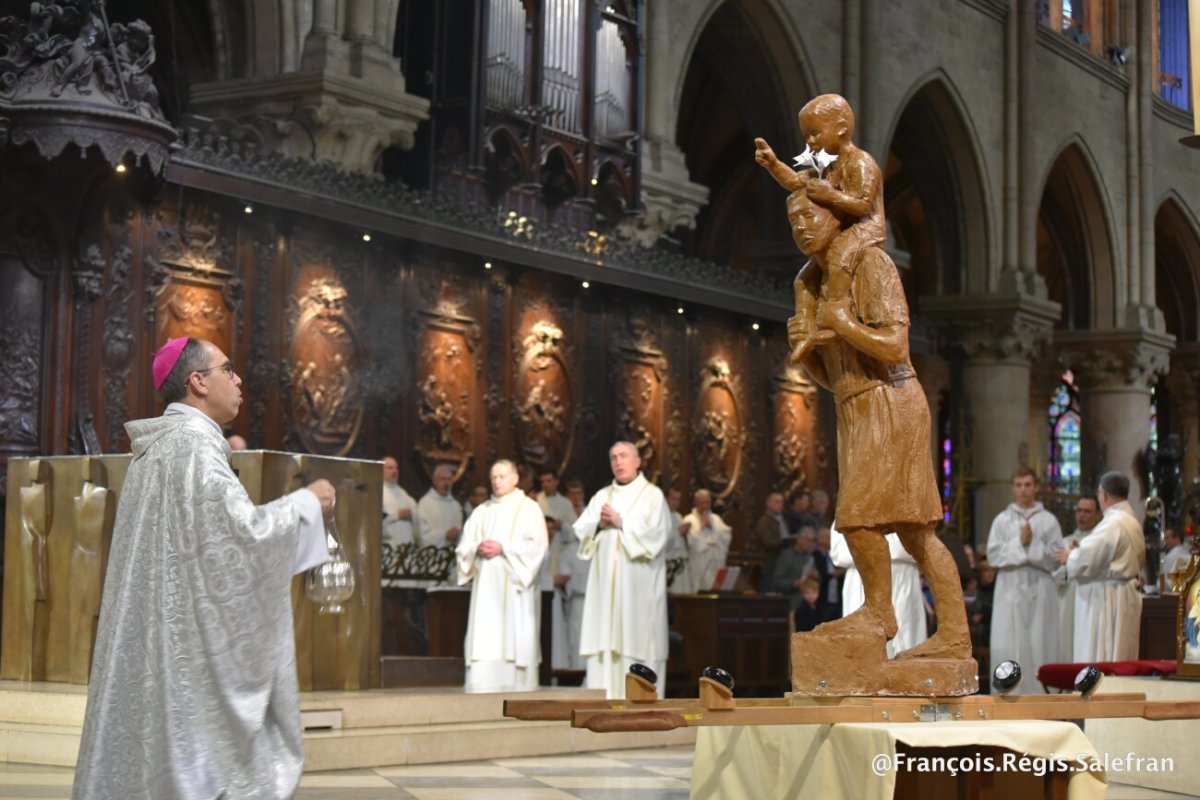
pixel 193 691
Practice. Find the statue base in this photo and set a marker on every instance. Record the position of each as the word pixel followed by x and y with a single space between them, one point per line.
pixel 856 664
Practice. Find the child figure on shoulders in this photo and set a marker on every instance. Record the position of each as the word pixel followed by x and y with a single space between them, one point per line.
pixel 853 191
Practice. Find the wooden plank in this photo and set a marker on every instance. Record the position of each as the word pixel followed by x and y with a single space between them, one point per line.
pixel 897 710
pixel 560 710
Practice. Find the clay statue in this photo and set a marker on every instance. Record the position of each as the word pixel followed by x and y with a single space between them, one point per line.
pixel 850 332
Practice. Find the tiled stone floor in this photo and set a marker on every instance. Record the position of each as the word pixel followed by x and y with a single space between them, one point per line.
pixel 654 774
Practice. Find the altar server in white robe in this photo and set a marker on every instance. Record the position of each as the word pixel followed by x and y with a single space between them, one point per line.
pixel 398 507
pixel 906 590
pixel 624 532
pixel 708 539
pixel 193 690
pixel 500 551
pixel 1106 564
pixel 1022 545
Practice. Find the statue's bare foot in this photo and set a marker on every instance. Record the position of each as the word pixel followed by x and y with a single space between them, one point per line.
pixel 860 623
pixel 940 645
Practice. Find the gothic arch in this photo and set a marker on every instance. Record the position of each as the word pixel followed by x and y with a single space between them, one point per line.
pixel 737 86
pixel 782 47
pixel 1176 268
pixel 936 192
pixel 1076 248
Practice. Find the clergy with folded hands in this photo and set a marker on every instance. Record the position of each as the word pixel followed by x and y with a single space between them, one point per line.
pixel 499 553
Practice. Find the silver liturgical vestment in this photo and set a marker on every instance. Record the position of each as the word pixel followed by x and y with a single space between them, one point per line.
pixel 193 689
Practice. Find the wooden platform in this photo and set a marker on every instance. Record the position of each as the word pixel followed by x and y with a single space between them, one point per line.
pixel 40 723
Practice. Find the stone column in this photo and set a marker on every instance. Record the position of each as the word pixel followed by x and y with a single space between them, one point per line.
pixel 1115 370
pixel 996 339
pixel 670 198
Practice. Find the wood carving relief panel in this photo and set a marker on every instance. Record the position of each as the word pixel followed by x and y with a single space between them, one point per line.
pixel 718 435
pixel 197 304
pixel 325 394
pixel 640 373
pixel 21 303
pixel 795 413
pixel 448 341
pixel 543 398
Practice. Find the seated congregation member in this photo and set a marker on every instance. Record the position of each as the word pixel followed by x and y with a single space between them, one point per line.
pixel 810 613
pixel 500 553
pixel 771 534
pixel 708 539
pixel 906 590
pixel 794 566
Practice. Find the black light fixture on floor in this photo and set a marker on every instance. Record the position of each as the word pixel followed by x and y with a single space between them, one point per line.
pixel 1006 676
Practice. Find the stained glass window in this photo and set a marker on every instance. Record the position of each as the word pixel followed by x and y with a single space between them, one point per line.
pixel 1065 422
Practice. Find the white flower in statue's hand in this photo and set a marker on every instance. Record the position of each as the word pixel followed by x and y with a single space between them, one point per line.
pixel 823 160
pixel 818 162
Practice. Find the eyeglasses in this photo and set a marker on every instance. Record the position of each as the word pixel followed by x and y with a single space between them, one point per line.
pixel 227 366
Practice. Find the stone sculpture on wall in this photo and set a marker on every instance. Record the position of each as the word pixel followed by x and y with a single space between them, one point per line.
pixel 326 399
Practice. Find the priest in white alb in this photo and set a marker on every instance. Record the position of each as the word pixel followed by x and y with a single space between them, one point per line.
pixel 398 506
pixel 439 515
pixel 499 553
pixel 708 539
pixel 193 690
pixel 906 590
pixel 1105 565
pixel 624 530
pixel 1022 545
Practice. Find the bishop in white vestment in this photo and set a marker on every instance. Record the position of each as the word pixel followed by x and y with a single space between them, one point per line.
pixel 193 691
pixel 1021 546
pixel 624 530
pixel 906 590
pixel 500 552
pixel 1106 564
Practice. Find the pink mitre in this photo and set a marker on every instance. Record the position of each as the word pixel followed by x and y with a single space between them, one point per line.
pixel 166 358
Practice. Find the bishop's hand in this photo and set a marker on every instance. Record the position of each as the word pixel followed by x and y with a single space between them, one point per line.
pixel 325 493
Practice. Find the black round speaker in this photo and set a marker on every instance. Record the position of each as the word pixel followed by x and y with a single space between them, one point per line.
pixel 1006 676
pixel 644 672
pixel 720 676
pixel 1088 680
